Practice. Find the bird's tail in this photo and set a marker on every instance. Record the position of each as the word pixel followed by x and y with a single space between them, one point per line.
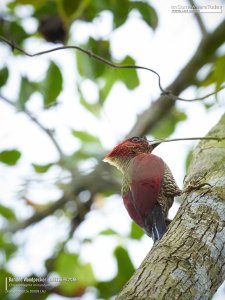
pixel 155 223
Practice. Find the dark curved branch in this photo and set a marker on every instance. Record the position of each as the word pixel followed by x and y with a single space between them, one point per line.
pixel 166 93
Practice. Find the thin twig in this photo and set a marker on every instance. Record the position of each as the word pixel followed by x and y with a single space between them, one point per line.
pixel 199 19
pixel 35 120
pixel 155 142
pixel 199 98
pixel 89 53
pixel 168 94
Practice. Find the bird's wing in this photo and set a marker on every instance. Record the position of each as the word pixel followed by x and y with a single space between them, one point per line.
pixel 134 214
pixel 146 173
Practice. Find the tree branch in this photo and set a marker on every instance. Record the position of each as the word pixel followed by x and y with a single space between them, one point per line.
pixel 77 219
pixel 160 108
pixel 105 182
pixel 199 19
pixel 188 262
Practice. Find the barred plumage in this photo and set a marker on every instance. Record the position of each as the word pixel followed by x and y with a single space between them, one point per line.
pixel 148 186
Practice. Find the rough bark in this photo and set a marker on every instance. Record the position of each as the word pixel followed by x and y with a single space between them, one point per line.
pixel 189 261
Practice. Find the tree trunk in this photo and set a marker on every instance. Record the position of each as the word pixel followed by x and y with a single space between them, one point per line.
pixel 189 262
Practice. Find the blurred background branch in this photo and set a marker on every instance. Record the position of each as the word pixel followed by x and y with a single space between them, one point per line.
pixel 198 18
pixel 35 120
pixel 204 54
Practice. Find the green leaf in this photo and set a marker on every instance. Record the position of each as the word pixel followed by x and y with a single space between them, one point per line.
pixel 7 213
pixel 147 12
pixel 86 137
pixel 35 3
pixel 168 124
pixel 219 71
pixel 92 10
pixel 87 241
pixel 94 108
pixel 209 105
pixel 125 271
pixel 26 90
pixel 4 274
pixel 107 289
pixel 216 74
pixel 110 80
pixel 84 65
pixel 52 84
pixel 70 7
pixel 120 10
pixel 68 265
pixel 108 232
pixel 87 151
pixel 101 48
pixel 124 264
pixel 90 68
pixel 10 157
pixel 14 32
pixel 129 76
pixel 42 168
pixel 7 245
pixel 73 10
pixel 80 155
pixel 209 79
pixel 49 8
pixel 4 73
pixel 136 232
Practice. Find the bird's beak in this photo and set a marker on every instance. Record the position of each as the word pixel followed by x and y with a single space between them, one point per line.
pixel 154 145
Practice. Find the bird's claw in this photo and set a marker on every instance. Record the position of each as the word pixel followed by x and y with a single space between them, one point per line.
pixel 195 185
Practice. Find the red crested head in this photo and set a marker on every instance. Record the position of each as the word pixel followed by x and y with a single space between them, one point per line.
pixel 128 149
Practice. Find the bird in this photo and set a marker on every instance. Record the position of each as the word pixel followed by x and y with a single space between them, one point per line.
pixel 148 186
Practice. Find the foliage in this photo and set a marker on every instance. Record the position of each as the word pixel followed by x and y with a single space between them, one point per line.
pixel 82 274
pixel 10 157
pixel 216 73
pixel 167 126
pixel 86 145
pixel 64 15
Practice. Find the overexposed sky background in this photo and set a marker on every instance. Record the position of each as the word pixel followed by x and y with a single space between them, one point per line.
pixel 166 50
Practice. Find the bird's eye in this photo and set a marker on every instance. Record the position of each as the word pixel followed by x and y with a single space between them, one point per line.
pixel 135 139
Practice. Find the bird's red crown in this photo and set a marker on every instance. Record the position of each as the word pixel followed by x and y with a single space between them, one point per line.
pixel 129 149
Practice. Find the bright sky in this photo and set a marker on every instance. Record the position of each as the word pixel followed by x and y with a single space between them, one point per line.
pixel 166 51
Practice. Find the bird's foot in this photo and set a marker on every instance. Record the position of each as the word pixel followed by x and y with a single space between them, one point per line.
pixel 196 184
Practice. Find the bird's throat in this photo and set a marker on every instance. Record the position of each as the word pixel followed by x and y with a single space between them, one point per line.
pixel 121 163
